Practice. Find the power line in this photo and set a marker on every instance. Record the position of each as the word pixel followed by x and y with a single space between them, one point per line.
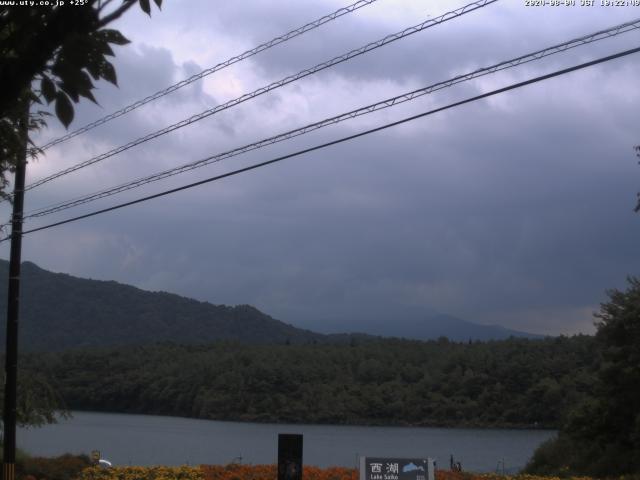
pixel 340 140
pixel 587 39
pixel 249 53
pixel 291 78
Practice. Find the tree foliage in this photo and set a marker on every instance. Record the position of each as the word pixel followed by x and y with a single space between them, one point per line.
pixel 53 55
pixel 602 436
pixel 38 401
pixel 516 382
pixel 50 55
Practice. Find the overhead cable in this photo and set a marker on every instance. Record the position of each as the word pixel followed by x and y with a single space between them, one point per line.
pixel 389 102
pixel 249 53
pixel 289 79
pixel 338 141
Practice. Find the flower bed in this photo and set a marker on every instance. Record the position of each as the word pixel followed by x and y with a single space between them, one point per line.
pixel 447 475
pixel 268 472
pixel 143 473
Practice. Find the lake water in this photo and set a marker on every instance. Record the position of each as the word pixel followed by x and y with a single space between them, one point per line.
pixel 150 440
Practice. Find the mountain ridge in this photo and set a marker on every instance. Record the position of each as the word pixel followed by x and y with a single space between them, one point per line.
pixel 425 327
pixel 91 313
pixel 107 313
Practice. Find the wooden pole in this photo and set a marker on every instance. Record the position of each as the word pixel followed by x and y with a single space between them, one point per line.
pixel 13 304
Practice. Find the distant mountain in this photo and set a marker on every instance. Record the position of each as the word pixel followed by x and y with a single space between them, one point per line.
pixel 59 311
pixel 422 327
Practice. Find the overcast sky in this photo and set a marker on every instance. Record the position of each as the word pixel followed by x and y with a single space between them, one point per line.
pixel 515 210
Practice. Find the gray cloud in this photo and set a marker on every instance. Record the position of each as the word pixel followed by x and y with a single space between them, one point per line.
pixel 514 210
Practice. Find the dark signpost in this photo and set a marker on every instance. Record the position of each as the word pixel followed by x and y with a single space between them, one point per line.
pixel 289 456
pixel 376 468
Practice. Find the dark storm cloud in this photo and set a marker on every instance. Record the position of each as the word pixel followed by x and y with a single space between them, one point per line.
pixel 515 210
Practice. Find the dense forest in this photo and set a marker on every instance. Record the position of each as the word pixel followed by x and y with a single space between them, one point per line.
pixel 600 436
pixel 509 383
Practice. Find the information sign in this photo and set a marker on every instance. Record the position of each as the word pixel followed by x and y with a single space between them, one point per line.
pixel 377 468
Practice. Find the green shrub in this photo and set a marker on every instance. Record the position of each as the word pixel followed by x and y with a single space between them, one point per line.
pixel 64 467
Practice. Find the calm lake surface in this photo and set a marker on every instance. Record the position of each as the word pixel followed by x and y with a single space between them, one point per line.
pixel 150 440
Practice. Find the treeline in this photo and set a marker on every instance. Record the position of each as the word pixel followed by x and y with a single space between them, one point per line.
pixel 509 383
pixel 601 435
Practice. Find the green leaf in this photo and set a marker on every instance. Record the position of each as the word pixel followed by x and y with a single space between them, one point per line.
pixel 100 45
pixel 114 36
pixel 145 6
pixel 48 89
pixel 77 48
pixel 64 109
pixel 74 81
pixel 89 95
pixel 94 65
pixel 83 81
pixel 109 73
pixel 65 69
pixel 70 89
pixel 105 49
pixel 84 86
pixel 32 97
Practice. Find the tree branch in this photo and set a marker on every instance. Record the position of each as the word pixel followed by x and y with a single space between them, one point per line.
pixel 117 13
pixel 103 5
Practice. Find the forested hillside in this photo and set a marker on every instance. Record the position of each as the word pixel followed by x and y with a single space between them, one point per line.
pixel 513 382
pixel 59 311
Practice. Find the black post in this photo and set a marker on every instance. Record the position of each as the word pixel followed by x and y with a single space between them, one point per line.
pixel 13 303
pixel 289 456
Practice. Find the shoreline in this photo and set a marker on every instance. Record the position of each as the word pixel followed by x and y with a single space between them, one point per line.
pixel 446 426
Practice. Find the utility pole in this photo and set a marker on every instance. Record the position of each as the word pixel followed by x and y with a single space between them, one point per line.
pixel 13 304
